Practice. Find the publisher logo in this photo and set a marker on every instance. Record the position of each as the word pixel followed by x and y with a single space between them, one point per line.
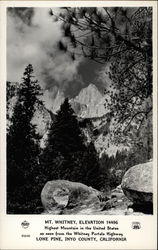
pixel 25 224
pixel 136 225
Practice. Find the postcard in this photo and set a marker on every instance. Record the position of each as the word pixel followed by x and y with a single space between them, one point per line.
pixel 78 115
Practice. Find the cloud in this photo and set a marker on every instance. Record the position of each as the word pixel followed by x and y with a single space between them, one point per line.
pixel 32 38
pixel 102 77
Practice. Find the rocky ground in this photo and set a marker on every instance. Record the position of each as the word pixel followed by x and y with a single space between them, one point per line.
pixel 94 202
pixel 132 197
pixel 116 204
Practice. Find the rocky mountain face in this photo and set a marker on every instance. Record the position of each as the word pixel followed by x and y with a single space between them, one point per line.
pixel 43 119
pixel 90 110
pixel 89 103
pixel 57 101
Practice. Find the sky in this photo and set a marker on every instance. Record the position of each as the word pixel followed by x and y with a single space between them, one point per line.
pixel 32 37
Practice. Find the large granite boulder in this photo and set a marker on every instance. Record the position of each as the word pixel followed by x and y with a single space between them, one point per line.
pixel 137 183
pixel 62 196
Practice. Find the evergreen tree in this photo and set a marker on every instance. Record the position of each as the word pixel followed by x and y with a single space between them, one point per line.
pixel 66 155
pixel 64 140
pixel 66 134
pixel 91 160
pixel 85 167
pixel 22 146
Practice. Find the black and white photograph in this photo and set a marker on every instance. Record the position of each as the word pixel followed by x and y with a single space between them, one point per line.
pixel 79 111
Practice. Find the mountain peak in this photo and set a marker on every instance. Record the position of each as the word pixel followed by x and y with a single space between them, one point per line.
pixel 89 102
pixel 92 86
pixel 89 95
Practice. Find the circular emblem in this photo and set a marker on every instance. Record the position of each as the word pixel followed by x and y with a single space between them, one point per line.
pixel 25 224
pixel 136 225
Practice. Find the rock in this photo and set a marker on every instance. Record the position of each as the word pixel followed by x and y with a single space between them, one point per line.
pixel 110 204
pixel 117 192
pixel 128 211
pixel 137 183
pixel 103 197
pixel 62 196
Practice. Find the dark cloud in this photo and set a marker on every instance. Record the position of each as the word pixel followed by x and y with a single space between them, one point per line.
pixel 92 72
pixel 74 87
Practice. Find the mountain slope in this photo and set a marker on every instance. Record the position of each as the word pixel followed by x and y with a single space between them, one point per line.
pixel 57 101
pixel 42 117
pixel 88 106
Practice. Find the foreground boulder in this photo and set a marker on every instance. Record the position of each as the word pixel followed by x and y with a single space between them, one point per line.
pixel 137 184
pixel 62 196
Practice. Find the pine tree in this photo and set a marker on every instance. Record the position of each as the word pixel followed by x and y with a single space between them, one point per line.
pixel 65 139
pixel 66 134
pixel 22 145
pixel 67 156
